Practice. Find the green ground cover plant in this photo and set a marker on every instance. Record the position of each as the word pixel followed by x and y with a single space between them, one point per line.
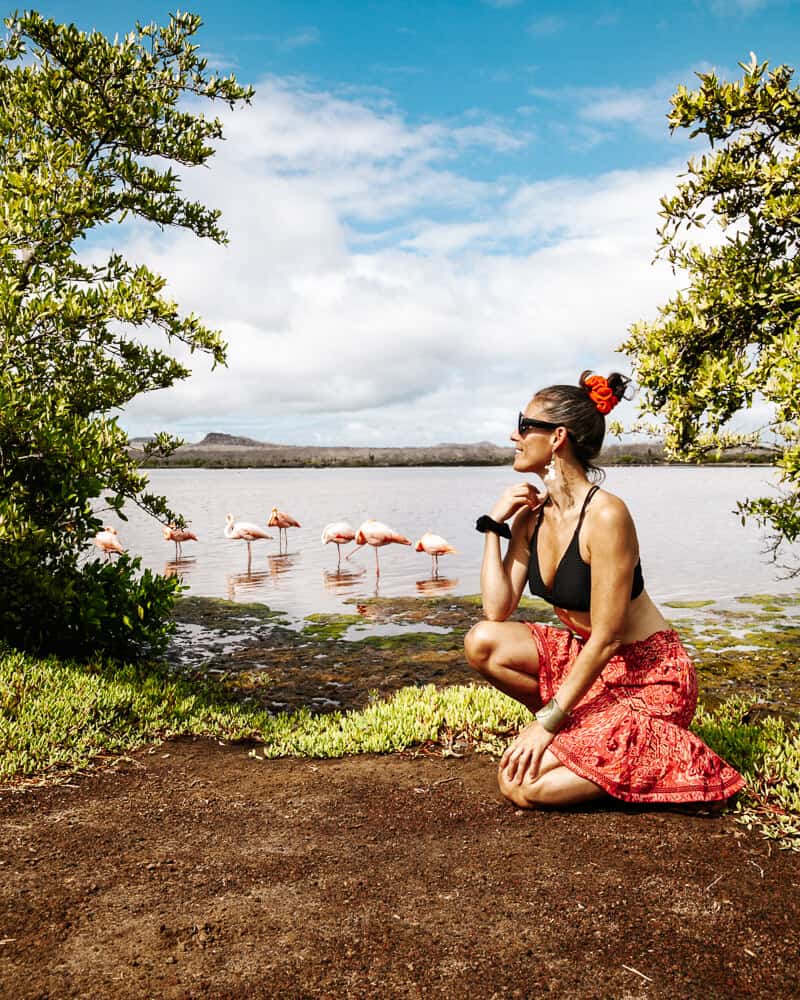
pixel 57 717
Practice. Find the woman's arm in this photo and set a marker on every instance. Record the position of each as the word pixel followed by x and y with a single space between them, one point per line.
pixel 613 551
pixel 503 579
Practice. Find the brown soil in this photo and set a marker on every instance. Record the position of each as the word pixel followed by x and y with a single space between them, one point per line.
pixel 196 870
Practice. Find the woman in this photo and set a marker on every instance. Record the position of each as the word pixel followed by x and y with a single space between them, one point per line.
pixel 614 691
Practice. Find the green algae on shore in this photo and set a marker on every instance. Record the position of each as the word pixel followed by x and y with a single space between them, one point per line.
pixel 333 661
pixel 688 604
pixel 227 616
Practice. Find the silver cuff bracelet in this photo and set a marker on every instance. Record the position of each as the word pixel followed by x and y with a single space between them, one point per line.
pixel 551 716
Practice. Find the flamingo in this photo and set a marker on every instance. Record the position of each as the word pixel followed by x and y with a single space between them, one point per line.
pixel 281 520
pixel 376 534
pixel 244 530
pixel 178 535
pixel 107 541
pixel 435 546
pixel 340 533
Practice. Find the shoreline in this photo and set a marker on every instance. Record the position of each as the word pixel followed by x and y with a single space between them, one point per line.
pixel 244 462
pixel 226 452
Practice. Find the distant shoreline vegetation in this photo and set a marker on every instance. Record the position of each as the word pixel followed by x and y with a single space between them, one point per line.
pixel 227 451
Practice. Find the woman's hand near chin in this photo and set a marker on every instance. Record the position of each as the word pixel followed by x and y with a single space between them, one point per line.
pixel 515 498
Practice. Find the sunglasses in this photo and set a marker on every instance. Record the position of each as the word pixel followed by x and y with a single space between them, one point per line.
pixel 525 424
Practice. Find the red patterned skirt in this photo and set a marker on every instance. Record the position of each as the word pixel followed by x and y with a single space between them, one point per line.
pixel 629 734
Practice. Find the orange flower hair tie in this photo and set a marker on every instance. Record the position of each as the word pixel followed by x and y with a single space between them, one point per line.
pixel 601 393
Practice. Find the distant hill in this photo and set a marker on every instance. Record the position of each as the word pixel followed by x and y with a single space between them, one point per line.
pixel 218 440
pixel 218 450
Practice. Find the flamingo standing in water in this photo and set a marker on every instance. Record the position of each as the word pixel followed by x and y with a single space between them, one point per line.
pixel 376 534
pixel 178 535
pixel 244 530
pixel 340 533
pixel 435 546
pixel 108 541
pixel 281 520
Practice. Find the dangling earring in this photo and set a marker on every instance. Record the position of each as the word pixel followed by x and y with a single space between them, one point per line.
pixel 550 473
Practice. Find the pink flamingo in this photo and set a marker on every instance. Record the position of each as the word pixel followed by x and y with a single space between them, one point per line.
pixel 340 533
pixel 244 530
pixel 172 533
pixel 435 546
pixel 376 534
pixel 108 541
pixel 281 520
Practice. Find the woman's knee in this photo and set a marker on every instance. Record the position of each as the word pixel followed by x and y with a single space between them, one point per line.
pixel 523 795
pixel 479 644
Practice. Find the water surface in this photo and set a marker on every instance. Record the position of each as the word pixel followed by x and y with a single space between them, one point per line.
pixel 692 546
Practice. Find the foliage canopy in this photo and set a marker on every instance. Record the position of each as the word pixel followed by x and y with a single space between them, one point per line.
pixel 732 336
pixel 90 133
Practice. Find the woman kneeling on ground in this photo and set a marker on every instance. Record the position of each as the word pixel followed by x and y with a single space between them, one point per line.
pixel 614 691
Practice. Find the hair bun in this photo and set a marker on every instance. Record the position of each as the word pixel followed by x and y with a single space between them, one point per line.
pixel 605 393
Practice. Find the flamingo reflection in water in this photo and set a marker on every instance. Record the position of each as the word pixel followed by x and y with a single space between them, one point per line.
pixel 436 585
pixel 263 579
pixel 280 563
pixel 377 534
pixel 179 567
pixel 435 546
pixel 172 533
pixel 340 533
pixel 244 581
pixel 341 579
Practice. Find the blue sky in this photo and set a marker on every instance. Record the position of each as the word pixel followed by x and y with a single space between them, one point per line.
pixel 434 208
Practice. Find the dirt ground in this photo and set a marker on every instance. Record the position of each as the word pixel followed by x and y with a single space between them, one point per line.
pixel 197 870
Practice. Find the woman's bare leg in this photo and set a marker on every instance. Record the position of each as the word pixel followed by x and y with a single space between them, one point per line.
pixel 553 785
pixel 505 654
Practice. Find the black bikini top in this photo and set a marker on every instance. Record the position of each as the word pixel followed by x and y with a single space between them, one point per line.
pixel 572 584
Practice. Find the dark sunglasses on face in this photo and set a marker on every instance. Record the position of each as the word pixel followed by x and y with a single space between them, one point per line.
pixel 529 423
pixel 525 424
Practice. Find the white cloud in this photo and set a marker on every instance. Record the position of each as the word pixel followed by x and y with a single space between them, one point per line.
pixel 219 61
pixel 373 293
pixel 598 114
pixel 301 38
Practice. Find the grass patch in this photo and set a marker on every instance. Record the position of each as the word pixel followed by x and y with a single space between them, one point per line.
pixel 766 752
pixel 56 716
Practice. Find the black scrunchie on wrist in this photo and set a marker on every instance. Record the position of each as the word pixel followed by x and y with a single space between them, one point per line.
pixel 486 523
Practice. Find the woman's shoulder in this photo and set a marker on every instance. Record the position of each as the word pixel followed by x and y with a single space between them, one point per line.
pixel 607 510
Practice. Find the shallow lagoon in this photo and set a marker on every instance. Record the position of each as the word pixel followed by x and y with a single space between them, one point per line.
pixel 693 547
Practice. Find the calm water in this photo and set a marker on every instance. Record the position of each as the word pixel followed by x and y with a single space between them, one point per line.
pixel 692 546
